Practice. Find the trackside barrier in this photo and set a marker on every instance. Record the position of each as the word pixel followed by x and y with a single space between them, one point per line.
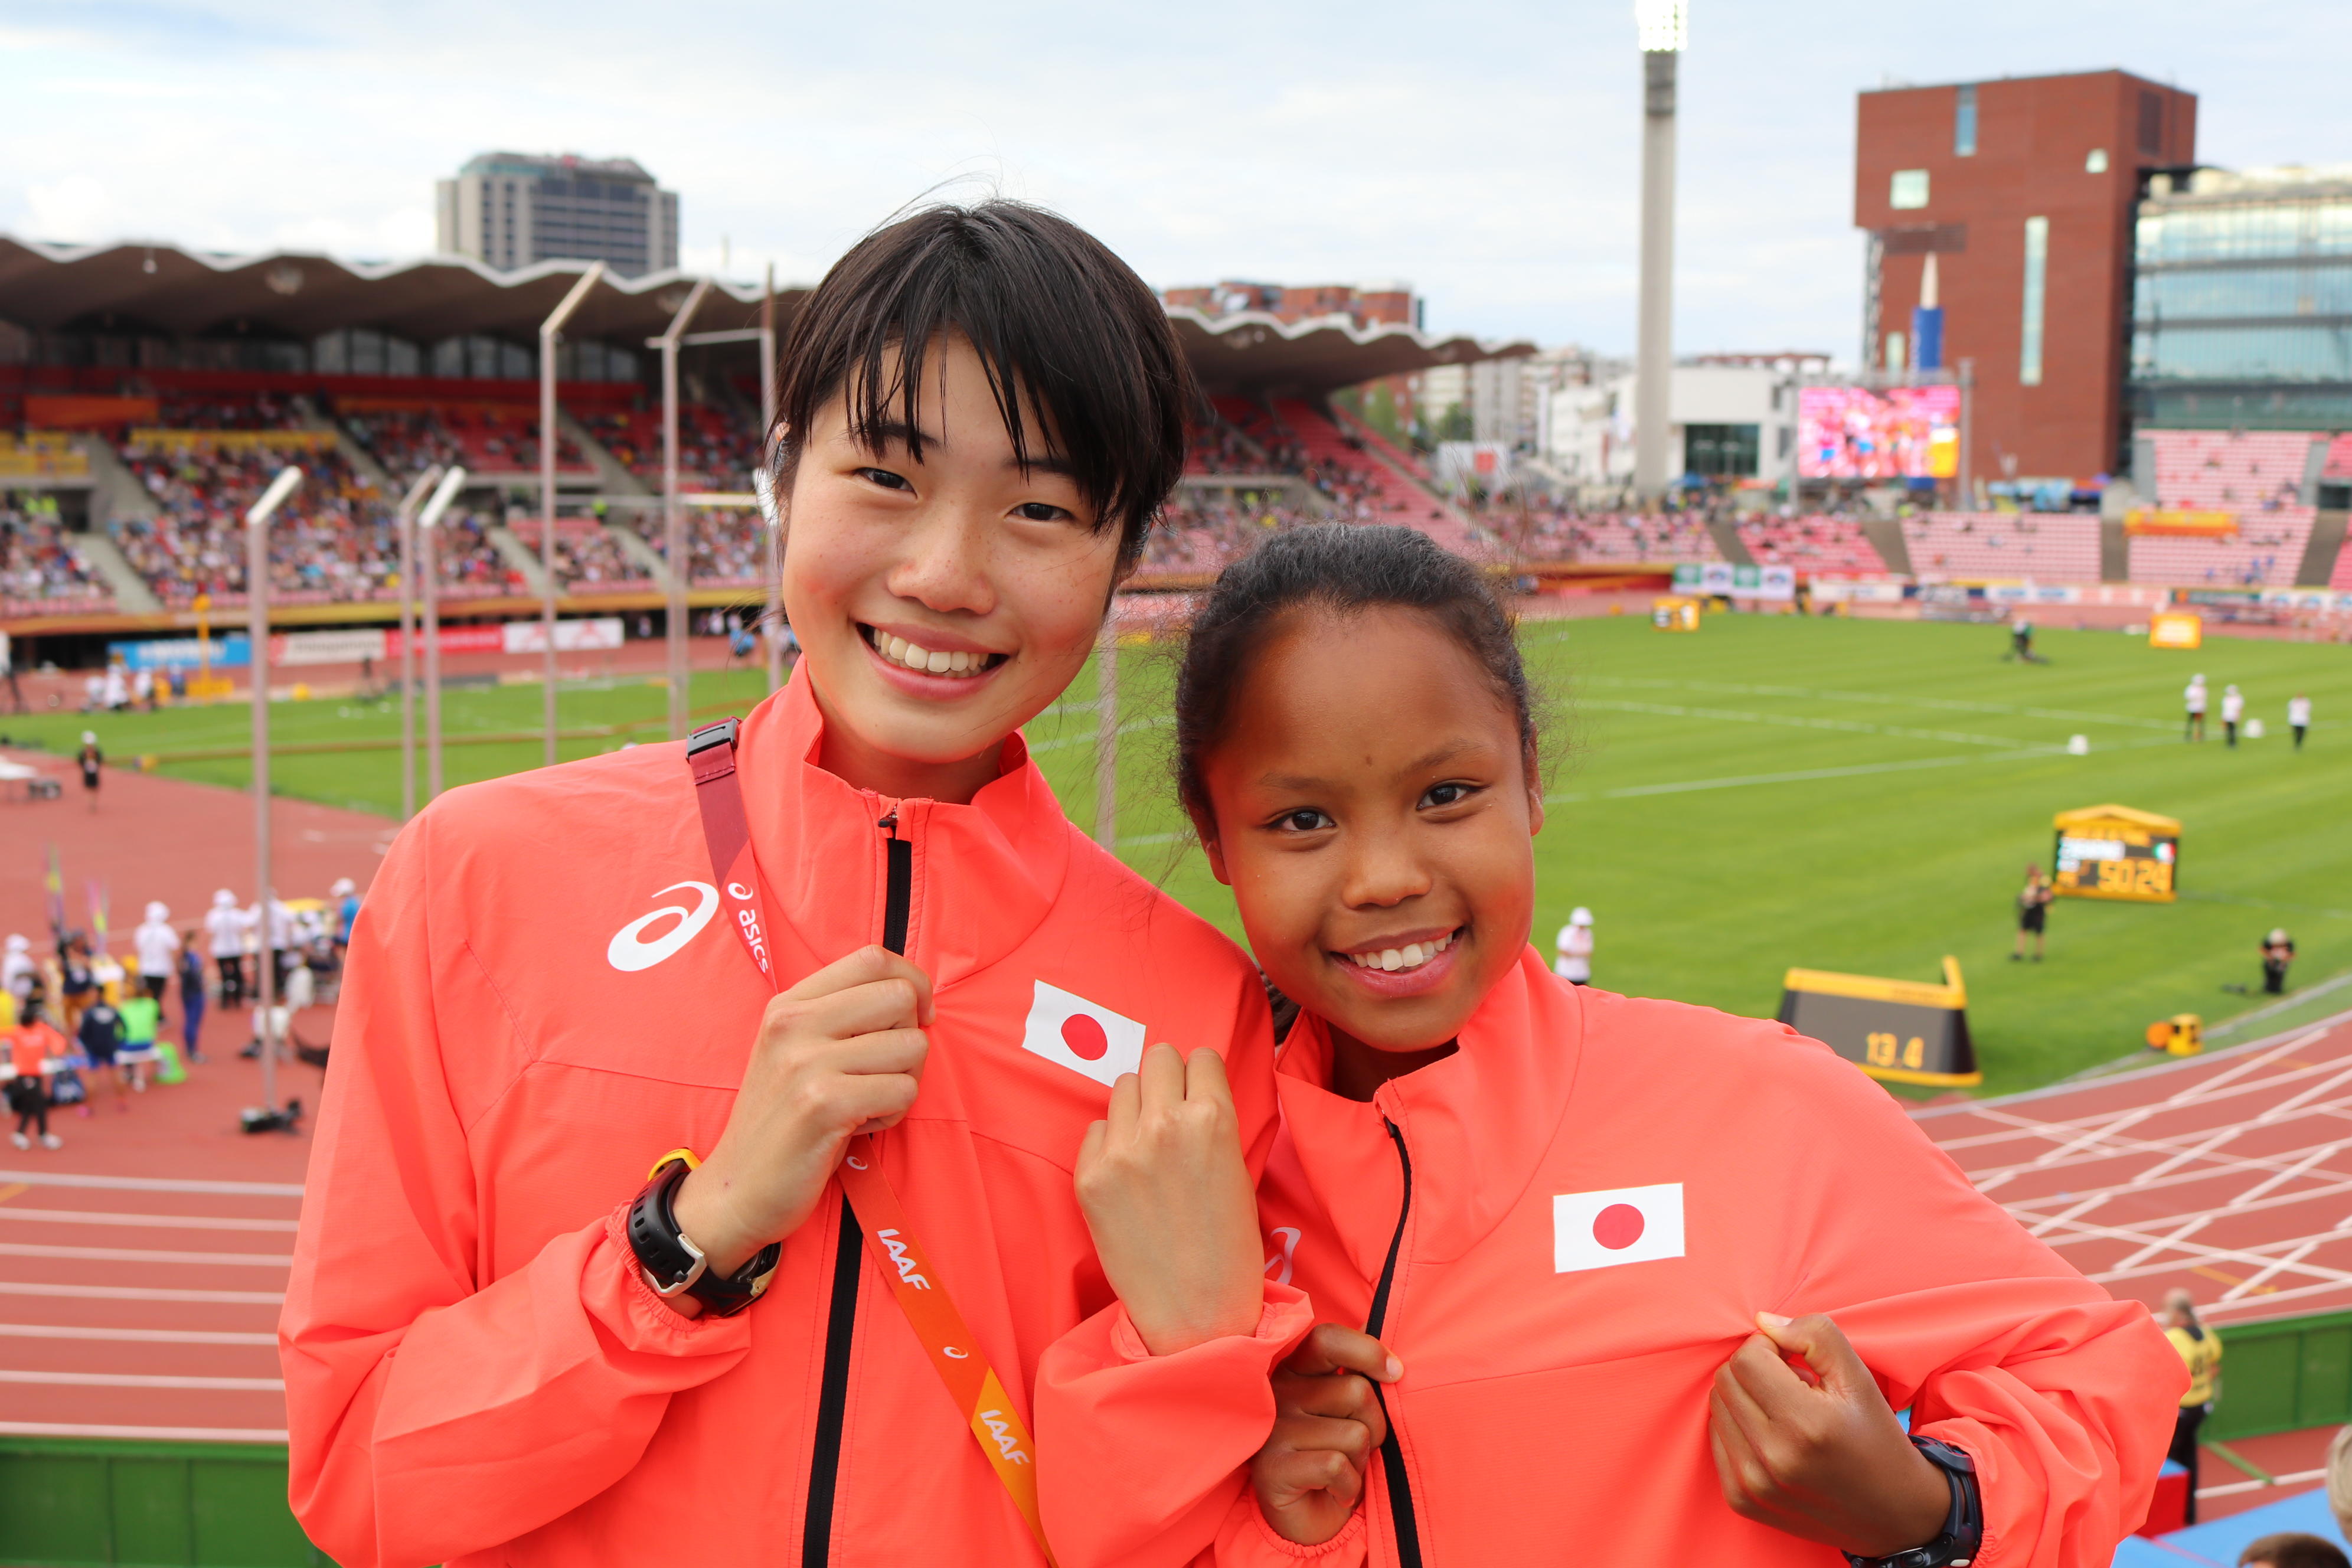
pixel 2283 1375
pixel 72 1502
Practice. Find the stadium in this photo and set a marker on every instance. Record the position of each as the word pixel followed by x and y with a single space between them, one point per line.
pixel 1829 655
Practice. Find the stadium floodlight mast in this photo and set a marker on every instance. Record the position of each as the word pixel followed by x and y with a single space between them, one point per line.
pixel 551 332
pixel 428 532
pixel 673 519
pixel 1664 29
pixel 257 602
pixel 406 519
pixel 769 514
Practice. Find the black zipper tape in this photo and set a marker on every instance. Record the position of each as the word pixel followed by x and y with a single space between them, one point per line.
pixel 833 1393
pixel 1400 1486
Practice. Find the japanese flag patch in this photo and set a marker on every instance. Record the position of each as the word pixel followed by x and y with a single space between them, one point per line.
pixel 1623 1225
pixel 1084 1037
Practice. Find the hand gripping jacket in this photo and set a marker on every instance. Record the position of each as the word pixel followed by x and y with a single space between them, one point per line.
pixel 1558 1355
pixel 543 999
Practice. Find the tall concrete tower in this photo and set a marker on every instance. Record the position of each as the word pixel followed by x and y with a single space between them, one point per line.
pixel 1664 26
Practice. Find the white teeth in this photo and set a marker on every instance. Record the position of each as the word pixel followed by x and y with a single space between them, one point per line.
pixel 932 661
pixel 940 662
pixel 1413 955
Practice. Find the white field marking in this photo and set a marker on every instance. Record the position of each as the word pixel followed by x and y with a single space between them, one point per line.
pixel 2299 1168
pixel 2024 1212
pixel 2296 1102
pixel 2023 1126
pixel 143 1293
pixel 1087 738
pixel 145 1255
pixel 144 1380
pixel 2166 1242
pixel 1682 786
pixel 2214 1165
pixel 2294 999
pixel 2204 1087
pixel 2232 1488
pixel 2091 1136
pixel 153 1185
pixel 2043 1223
pixel 2193 1251
pixel 1884 699
pixel 148 1221
pixel 2262 1277
pixel 134 1336
pixel 145 1434
pixel 1842 726
pixel 2191 1155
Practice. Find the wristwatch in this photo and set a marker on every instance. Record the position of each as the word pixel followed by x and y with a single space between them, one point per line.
pixel 1963 1533
pixel 674 1266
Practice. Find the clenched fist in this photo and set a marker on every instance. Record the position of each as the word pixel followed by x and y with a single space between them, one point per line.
pixel 1328 1423
pixel 1822 1457
pixel 838 1054
pixel 1168 1201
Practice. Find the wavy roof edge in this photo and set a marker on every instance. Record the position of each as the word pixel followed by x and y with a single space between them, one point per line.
pixel 438 296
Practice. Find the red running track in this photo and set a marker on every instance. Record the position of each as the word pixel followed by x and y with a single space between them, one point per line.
pixel 2229 1173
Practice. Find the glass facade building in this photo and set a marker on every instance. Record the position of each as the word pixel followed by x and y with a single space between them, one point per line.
pixel 2241 311
pixel 510 210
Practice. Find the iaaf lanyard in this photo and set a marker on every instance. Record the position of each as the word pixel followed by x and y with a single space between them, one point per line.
pixel 923 1295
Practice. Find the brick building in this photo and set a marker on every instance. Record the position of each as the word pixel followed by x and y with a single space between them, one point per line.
pixel 2025 191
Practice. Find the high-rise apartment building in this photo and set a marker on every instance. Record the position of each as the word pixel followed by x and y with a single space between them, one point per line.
pixel 2025 192
pixel 514 209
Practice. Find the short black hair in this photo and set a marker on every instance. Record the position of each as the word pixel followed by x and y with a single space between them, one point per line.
pixel 1052 312
pixel 2294 1549
pixel 1345 568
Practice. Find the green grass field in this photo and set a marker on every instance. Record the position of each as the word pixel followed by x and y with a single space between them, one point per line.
pixel 1856 795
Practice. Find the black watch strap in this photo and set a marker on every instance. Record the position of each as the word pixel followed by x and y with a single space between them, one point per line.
pixel 1963 1533
pixel 674 1266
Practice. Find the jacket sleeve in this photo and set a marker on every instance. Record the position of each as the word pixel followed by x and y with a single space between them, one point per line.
pixel 432 1412
pixel 1141 1458
pixel 2063 1396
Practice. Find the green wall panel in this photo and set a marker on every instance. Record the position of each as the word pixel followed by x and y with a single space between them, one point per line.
pixel 68 1503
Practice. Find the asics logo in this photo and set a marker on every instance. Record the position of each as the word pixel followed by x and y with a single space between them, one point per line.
pixel 630 950
pixel 1286 1258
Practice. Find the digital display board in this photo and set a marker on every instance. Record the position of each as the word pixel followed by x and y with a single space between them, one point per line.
pixel 2115 852
pixel 1894 433
pixel 1901 1031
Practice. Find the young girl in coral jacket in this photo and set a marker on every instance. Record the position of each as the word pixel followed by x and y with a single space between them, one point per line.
pixel 1601 1280
pixel 506 1343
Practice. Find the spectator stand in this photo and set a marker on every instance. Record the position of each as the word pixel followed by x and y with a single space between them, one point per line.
pixel 1816 545
pixel 334 542
pixel 496 442
pixel 726 547
pixel 2002 546
pixel 588 560
pixel 2257 477
pixel 42 572
pixel 715 452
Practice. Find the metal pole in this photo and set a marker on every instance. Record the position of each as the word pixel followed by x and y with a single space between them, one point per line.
pixel 673 522
pixel 550 332
pixel 428 531
pixel 256 603
pixel 1967 434
pixel 1107 732
pixel 407 524
pixel 771 515
pixel 1654 369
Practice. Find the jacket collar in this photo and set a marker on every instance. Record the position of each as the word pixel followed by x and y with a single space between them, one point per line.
pixel 986 874
pixel 1476 1125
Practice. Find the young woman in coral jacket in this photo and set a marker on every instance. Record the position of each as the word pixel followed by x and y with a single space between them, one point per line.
pixel 695 1180
pixel 1602 1280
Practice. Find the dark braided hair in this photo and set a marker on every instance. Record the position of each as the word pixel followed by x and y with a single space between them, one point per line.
pixel 1345 569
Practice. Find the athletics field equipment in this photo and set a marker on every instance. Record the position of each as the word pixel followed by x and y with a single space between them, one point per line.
pixel 1897 1031
pixel 2114 852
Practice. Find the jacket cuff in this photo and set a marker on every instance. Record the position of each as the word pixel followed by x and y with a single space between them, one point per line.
pixel 1282 1322
pixel 1247 1539
pixel 658 1326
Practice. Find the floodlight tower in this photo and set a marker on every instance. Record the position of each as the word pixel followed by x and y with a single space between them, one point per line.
pixel 1664 26
pixel 257 598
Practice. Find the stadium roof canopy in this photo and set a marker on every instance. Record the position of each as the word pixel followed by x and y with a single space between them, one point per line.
pixel 134 288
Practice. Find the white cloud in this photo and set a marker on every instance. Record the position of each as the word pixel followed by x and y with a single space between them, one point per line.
pixel 73 207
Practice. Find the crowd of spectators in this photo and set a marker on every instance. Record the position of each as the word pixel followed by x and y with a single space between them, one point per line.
pixel 725 546
pixel 485 437
pixel 1549 529
pixel 40 567
pixel 1811 543
pixel 713 450
pixel 587 558
pixel 332 541
pixel 197 411
pixel 1200 533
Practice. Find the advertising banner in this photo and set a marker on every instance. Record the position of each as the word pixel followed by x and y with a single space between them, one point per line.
pixel 358 644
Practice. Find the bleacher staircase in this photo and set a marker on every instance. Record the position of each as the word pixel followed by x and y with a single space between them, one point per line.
pixel 1726 539
pixel 2115 552
pixel 115 493
pixel 2320 551
pixel 131 595
pixel 613 473
pixel 1886 536
pixel 645 555
pixel 519 556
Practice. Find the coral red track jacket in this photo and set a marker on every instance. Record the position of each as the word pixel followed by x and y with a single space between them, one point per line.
pixel 540 1003
pixel 1567 1226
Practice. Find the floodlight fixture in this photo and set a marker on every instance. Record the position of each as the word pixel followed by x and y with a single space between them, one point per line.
pixel 1665 26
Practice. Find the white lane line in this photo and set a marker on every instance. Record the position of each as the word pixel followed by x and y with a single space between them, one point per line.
pixel 2233 1488
pixel 142 1380
pixel 1842 726
pixel 145 1255
pixel 1882 698
pixel 152 1185
pixel 148 1221
pixel 1683 786
pixel 134 1336
pixel 143 1434
pixel 143 1293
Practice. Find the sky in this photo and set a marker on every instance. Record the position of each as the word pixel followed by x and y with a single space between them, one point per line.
pixel 1486 154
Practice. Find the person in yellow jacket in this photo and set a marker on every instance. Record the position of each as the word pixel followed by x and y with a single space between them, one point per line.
pixel 2200 1348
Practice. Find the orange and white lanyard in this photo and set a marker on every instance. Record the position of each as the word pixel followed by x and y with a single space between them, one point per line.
pixel 923 1295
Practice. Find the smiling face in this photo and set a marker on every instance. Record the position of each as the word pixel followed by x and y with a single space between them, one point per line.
pixel 942 603
pixel 1373 808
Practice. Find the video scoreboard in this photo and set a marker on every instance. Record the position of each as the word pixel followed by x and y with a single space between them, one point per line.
pixel 2115 852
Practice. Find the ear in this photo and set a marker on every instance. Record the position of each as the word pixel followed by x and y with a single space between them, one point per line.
pixel 1206 833
pixel 1532 775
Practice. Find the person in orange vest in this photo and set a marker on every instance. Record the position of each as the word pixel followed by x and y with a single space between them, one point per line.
pixel 1600 1278
pixel 698 1168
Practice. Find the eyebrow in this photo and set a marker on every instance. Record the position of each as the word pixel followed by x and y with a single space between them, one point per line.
pixel 1426 760
pixel 885 432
